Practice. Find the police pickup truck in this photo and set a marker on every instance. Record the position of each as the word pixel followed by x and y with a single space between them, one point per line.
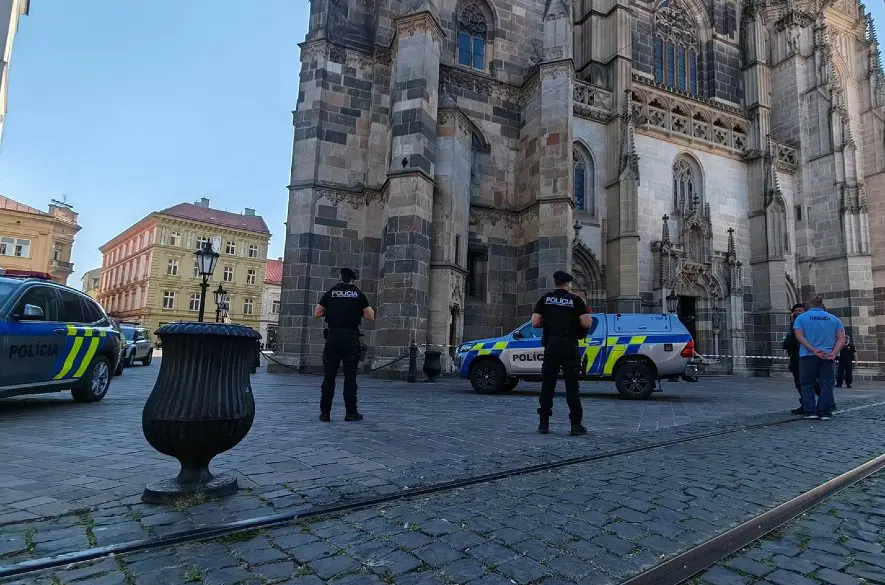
pixel 53 338
pixel 634 350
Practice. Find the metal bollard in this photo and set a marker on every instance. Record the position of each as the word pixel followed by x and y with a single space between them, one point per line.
pixel 413 363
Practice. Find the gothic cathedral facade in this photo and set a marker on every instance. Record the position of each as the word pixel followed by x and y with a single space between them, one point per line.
pixel 458 152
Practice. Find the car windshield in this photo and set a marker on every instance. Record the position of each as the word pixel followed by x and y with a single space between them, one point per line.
pixel 5 291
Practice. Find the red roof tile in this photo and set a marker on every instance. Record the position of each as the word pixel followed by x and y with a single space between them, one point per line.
pixel 273 272
pixel 13 205
pixel 251 223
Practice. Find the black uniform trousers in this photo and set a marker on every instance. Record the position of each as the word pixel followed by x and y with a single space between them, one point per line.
pixel 342 345
pixel 561 353
pixel 845 373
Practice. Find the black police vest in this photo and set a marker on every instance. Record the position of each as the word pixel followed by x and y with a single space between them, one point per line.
pixel 344 306
pixel 561 313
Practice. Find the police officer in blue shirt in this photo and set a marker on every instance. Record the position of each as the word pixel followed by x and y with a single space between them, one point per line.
pixel 344 306
pixel 564 318
pixel 821 337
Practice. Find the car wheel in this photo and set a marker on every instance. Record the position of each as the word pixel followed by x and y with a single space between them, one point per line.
pixel 95 383
pixel 511 384
pixel 635 380
pixel 488 376
pixel 147 359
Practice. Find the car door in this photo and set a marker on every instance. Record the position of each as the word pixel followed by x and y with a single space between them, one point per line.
pixel 80 343
pixel 34 342
pixel 139 339
pixel 596 351
pixel 524 354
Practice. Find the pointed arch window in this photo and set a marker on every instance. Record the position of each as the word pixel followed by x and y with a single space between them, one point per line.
pixel 584 180
pixel 677 48
pixel 685 187
pixel 472 37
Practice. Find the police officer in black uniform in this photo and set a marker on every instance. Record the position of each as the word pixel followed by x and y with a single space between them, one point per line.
pixel 565 320
pixel 344 306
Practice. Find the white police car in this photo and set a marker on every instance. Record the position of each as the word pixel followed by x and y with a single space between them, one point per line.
pixel 633 349
pixel 53 338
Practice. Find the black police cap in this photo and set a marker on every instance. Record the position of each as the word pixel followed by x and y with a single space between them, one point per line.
pixel 348 274
pixel 560 276
pixel 799 306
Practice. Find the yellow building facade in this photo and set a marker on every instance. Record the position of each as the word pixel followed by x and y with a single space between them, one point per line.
pixel 149 273
pixel 36 240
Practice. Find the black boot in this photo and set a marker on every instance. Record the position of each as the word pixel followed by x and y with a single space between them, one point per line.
pixel 325 417
pixel 353 417
pixel 578 429
pixel 544 425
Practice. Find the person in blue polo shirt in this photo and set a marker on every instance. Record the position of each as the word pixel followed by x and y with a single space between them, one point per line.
pixel 821 337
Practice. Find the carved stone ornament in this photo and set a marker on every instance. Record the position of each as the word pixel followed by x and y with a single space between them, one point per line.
pixel 675 23
pixel 564 68
pixel 473 20
pixel 457 290
pixel 355 199
pixel 591 102
pixel 418 23
pixel 478 83
pixel 510 218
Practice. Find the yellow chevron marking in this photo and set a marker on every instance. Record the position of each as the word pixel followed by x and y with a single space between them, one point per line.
pixel 616 352
pixel 72 330
pixel 72 355
pixel 87 359
pixel 477 346
pixel 500 345
pixel 591 354
pixel 638 340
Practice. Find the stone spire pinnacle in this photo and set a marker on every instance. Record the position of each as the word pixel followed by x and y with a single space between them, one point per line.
pixel 629 158
pixel 772 184
pixel 731 250
pixel 665 229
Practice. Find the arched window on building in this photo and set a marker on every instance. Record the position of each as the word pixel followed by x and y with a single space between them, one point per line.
pixel 584 180
pixel 677 48
pixel 472 37
pixel 685 185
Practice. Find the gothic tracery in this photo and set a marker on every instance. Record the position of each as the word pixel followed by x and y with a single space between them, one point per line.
pixel 676 48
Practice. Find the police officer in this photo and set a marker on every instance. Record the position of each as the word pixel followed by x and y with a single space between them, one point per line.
pixel 565 320
pixel 344 306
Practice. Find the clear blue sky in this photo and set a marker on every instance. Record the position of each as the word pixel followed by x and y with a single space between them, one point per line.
pixel 130 106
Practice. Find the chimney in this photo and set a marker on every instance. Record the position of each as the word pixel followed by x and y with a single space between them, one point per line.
pixel 250 212
pixel 203 202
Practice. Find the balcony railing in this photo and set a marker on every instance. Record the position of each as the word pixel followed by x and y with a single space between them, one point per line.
pixel 591 101
pixel 663 111
pixel 62 265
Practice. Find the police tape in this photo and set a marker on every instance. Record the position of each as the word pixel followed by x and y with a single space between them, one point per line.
pixel 771 358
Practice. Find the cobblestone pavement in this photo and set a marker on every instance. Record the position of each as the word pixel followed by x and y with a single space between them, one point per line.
pixel 839 542
pixel 73 474
pixel 598 522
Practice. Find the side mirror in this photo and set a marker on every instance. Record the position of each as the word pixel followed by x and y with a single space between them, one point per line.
pixel 517 335
pixel 31 313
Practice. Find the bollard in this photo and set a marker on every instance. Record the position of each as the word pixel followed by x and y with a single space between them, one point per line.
pixel 432 364
pixel 413 363
pixel 200 406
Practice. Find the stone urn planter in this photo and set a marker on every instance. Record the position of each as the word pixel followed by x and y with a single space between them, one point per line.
pixel 201 404
pixel 432 364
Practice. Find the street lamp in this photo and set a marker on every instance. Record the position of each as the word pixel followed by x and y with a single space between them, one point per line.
pixel 672 302
pixel 206 260
pixel 220 298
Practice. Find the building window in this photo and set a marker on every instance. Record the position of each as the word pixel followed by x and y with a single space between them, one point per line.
pixel 196 269
pixel 253 251
pixel 172 268
pixel 231 248
pixel 194 304
pixel 472 37
pixel 676 48
pixel 250 276
pixel 201 243
pixel 476 274
pixel 247 306
pixel 15 247
pixel 584 181
pixel 275 307
pixel 228 274
pixel 175 239
pixel 685 189
pixel 169 299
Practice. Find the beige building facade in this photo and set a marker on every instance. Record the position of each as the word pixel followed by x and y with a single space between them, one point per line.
pixel 89 282
pixel 270 303
pixel 10 13
pixel 149 272
pixel 40 241
pixel 458 152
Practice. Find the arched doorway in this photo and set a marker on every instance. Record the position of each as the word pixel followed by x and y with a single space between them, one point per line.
pixel 589 278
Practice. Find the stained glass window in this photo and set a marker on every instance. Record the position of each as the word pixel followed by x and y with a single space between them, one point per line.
pixel 580 170
pixel 676 48
pixel 472 37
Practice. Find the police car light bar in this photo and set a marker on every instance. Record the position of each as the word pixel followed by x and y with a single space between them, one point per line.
pixel 26 274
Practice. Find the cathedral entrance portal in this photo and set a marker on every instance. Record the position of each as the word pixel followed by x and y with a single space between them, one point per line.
pixel 688 315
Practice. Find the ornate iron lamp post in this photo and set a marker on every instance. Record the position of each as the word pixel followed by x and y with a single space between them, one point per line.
pixel 207 258
pixel 220 300
pixel 672 302
pixel 201 404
